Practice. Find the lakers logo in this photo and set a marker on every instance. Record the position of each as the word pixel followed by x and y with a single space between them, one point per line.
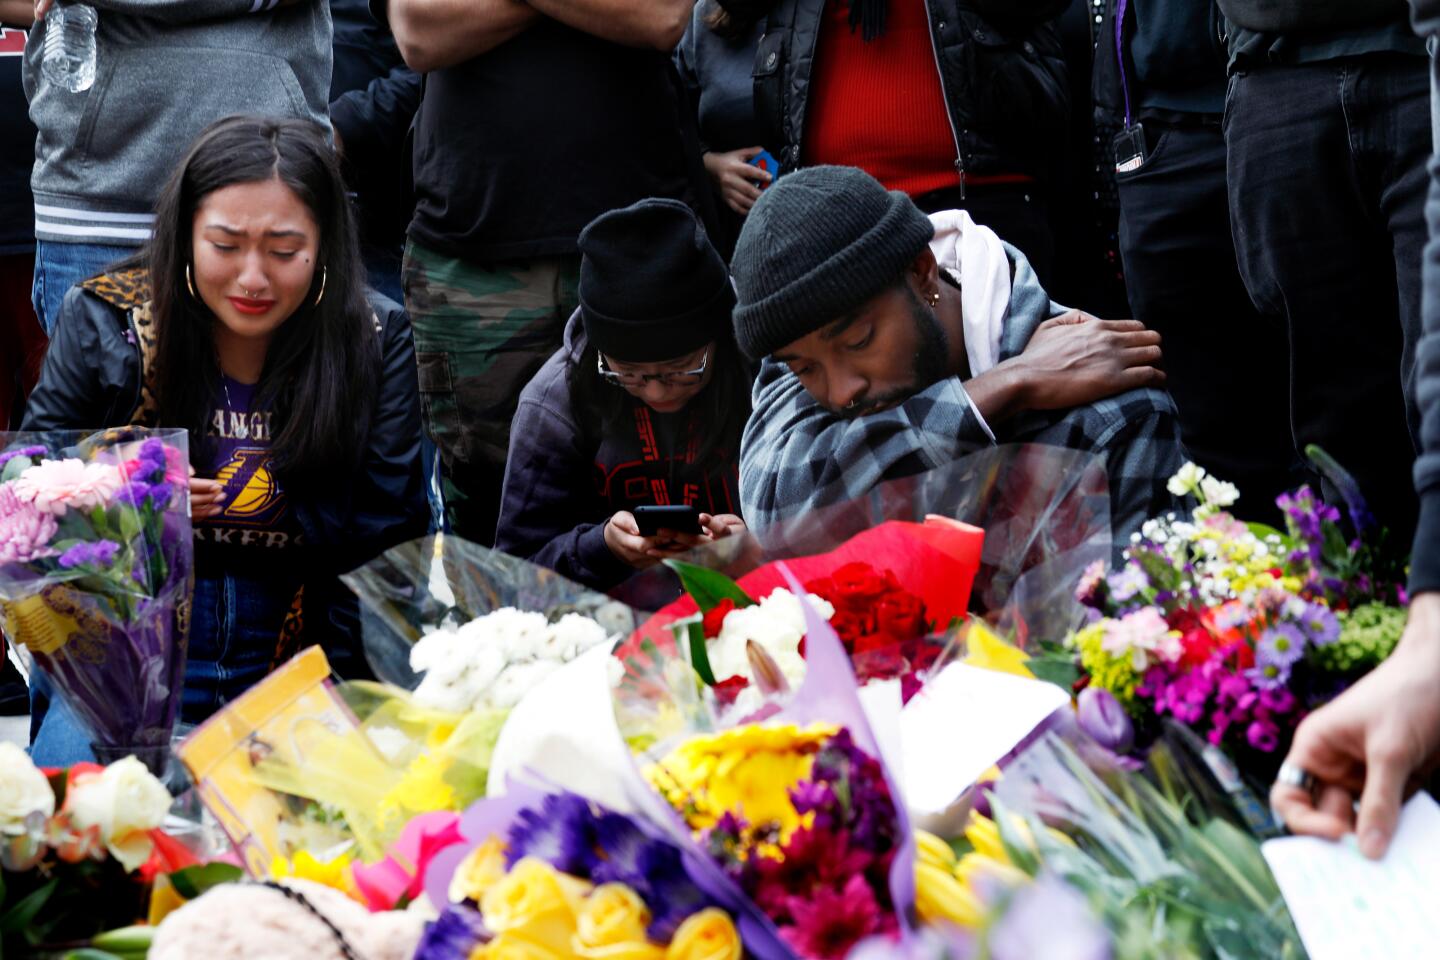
pixel 251 492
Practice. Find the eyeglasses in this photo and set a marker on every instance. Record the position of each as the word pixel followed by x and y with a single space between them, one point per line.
pixel 680 378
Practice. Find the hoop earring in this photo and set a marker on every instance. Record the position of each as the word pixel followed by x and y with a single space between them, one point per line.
pixel 190 283
pixel 324 275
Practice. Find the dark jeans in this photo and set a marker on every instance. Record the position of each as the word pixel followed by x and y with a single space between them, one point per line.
pixel 1327 193
pixel 1183 282
pixel 235 628
pixel 1017 213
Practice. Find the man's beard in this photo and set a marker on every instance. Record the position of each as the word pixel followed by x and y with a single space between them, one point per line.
pixel 931 362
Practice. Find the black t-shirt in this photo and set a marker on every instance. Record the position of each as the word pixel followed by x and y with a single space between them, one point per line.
pixel 518 149
pixel 17 149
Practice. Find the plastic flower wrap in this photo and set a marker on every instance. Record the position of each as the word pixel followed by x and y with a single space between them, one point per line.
pixel 1080 858
pixel 543 873
pixel 793 806
pixel 95 572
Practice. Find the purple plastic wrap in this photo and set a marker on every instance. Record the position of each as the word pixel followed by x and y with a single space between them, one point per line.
pixel 96 559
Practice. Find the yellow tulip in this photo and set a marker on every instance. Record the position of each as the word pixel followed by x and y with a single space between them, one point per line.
pixel 940 898
pixel 707 935
pixel 984 835
pixel 932 850
pixel 989 652
pixel 975 865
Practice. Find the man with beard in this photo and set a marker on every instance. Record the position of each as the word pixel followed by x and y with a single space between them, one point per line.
pixel 894 343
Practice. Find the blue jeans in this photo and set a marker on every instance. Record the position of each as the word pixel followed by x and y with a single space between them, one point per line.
pixel 234 631
pixel 59 266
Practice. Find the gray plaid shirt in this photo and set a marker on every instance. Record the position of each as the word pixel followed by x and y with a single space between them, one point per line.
pixel 797 456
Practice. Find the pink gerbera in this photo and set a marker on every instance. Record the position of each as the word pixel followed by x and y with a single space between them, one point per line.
pixel 55 486
pixel 25 530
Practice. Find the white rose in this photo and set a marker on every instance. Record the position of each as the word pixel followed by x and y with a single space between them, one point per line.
pixel 777 623
pixel 23 789
pixel 125 802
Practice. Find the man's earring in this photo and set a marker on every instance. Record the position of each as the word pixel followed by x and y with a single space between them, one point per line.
pixel 190 282
pixel 935 299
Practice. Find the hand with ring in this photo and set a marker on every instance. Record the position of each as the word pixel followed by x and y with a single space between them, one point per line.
pixel 1375 743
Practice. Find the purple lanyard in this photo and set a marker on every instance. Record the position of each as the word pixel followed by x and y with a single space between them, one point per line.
pixel 1120 54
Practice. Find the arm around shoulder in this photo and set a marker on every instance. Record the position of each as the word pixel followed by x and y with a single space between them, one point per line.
pixel 654 24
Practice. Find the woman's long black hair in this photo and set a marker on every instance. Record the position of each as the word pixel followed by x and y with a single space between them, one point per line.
pixel 716 414
pixel 320 371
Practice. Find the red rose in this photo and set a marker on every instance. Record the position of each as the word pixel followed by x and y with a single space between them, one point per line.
pixel 715 619
pixel 871 642
pixel 824 587
pixel 901 615
pixel 857 583
pixel 922 653
pixel 880 663
pixel 850 626
pixel 728 689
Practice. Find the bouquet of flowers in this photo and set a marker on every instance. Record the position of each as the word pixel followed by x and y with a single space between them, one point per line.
pixel 95 574
pixel 79 849
pixel 1097 862
pixel 887 629
pixel 792 806
pixel 541 874
pixel 1232 630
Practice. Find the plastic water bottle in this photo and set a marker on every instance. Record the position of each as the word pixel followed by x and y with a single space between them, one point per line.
pixel 69 57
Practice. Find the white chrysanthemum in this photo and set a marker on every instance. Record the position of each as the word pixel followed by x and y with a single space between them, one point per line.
pixel 571 636
pixel 458 669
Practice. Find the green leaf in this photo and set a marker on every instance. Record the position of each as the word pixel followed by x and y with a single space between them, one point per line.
pixel 700 654
pixel 19 917
pixel 91 953
pixel 708 587
pixel 1061 672
pixel 14 467
pixel 193 881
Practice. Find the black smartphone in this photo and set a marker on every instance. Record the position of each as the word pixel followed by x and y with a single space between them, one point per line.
pixel 681 519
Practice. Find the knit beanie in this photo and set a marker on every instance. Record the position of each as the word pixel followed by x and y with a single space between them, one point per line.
pixel 652 287
pixel 818 243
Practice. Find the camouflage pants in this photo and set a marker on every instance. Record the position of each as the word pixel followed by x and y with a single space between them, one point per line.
pixel 481 333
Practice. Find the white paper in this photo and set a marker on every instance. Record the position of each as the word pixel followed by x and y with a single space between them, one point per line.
pixel 1349 908
pixel 954 730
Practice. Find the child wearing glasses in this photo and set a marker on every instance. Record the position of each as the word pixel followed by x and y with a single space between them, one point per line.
pixel 643 405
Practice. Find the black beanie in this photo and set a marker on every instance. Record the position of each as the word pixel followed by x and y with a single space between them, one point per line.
pixel 818 243
pixel 652 287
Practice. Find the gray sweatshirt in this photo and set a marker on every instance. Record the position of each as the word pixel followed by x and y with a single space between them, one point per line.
pixel 165 70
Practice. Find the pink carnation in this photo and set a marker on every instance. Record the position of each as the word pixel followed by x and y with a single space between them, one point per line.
pixel 25 531
pixel 55 486
pixel 1145 636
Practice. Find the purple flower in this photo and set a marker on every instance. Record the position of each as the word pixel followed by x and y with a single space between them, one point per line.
pixel 1102 717
pixel 1269 676
pixel 1128 582
pixel 453 935
pixel 133 493
pixel 9 455
pixel 1281 645
pixel 99 554
pixel 1279 700
pixel 25 530
pixel 561 833
pixel 1051 919
pixel 1321 624
pixel 1263 735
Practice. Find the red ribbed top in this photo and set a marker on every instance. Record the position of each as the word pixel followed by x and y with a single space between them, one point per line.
pixel 879 105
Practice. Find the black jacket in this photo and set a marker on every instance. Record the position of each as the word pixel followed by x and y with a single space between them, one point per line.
pixel 1000 66
pixel 92 379
pixel 373 99
pixel 1425 562
pixel 1175 60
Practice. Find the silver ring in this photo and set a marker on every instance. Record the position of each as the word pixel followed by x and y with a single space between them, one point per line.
pixel 1293 776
